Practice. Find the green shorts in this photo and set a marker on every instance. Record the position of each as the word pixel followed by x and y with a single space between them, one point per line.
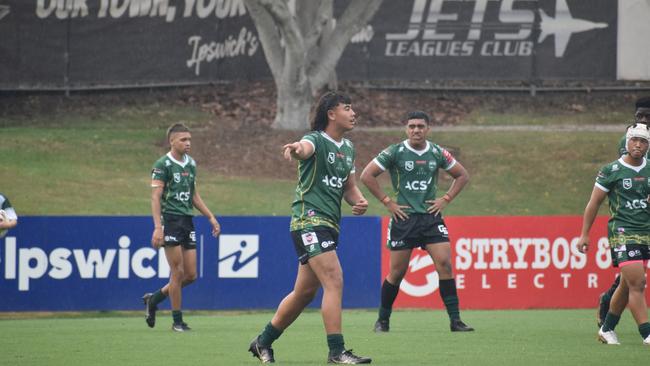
pixel 314 241
pixel 179 230
pixel 416 231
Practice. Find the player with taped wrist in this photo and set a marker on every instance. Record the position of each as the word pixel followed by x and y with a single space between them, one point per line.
pixel 416 213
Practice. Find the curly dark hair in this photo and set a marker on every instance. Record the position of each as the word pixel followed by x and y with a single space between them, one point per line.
pixel 327 102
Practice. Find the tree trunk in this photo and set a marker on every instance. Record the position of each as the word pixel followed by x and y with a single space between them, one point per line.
pixel 293 105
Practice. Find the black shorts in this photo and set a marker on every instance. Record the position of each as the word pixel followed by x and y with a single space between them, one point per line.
pixel 314 241
pixel 179 230
pixel 625 253
pixel 416 231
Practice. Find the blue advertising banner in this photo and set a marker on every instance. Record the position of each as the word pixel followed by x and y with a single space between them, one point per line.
pixel 107 263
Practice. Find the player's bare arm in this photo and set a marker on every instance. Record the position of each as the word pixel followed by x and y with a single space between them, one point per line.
pixel 299 150
pixel 369 179
pixel 7 223
pixel 197 201
pixel 597 198
pixel 354 197
pixel 461 178
pixel 157 187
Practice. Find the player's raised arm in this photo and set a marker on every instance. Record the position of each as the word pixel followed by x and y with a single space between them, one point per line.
pixel 299 150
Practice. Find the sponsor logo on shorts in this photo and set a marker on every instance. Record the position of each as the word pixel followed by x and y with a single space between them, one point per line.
pixel 396 243
pixel 309 238
pixel 238 256
pixel 634 253
pixel 169 238
pixel 327 243
pixel 192 235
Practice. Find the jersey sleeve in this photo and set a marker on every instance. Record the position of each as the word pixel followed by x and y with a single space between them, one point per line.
pixel 385 158
pixel 9 210
pixel 5 202
pixel 605 180
pixel 159 172
pixel 310 138
pixel 446 160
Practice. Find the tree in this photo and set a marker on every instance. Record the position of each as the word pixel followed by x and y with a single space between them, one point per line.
pixel 303 47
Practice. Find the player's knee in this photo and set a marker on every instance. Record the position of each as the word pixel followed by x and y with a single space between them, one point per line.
pixel 333 280
pixel 444 268
pixel 189 277
pixel 307 294
pixel 396 276
pixel 637 284
pixel 178 273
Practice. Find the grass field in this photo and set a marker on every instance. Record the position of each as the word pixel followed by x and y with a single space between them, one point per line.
pixel 97 163
pixel 533 337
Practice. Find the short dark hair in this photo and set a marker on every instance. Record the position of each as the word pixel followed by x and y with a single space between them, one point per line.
pixel 176 127
pixel 642 103
pixel 327 102
pixel 417 115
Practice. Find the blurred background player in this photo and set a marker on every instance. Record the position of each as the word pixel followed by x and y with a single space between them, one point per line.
pixel 626 184
pixel 326 176
pixel 641 115
pixel 416 215
pixel 173 199
pixel 9 219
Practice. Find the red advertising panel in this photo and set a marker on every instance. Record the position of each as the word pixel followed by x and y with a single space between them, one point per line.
pixel 516 262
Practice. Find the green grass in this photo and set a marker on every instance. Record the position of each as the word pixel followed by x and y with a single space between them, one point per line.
pixel 533 337
pixel 489 118
pixel 96 162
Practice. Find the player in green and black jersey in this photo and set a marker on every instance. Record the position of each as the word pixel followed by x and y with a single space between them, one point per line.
pixel 173 200
pixel 641 115
pixel 416 213
pixel 626 184
pixel 325 177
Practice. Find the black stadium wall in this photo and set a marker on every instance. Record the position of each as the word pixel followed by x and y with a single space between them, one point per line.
pixel 69 44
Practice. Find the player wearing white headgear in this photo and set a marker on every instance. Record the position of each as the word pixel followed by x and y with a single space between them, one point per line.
pixel 626 184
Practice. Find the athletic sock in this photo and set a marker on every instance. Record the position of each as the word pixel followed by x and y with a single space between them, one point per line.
pixel 450 298
pixel 269 335
pixel 610 292
pixel 335 344
pixel 177 315
pixel 644 329
pixel 156 298
pixel 611 320
pixel 388 295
